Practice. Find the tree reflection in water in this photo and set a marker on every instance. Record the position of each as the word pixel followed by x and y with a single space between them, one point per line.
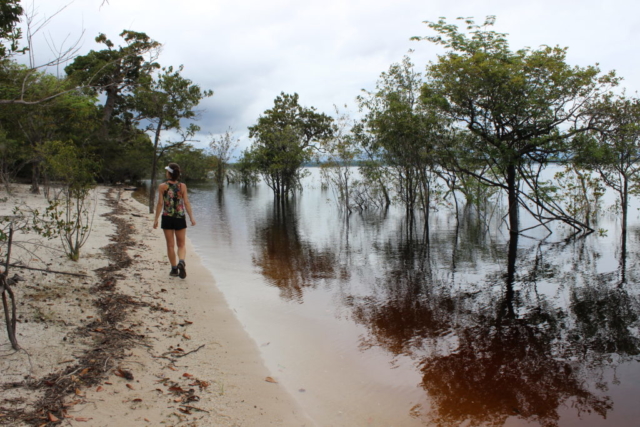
pixel 510 361
pixel 499 348
pixel 532 334
pixel 285 259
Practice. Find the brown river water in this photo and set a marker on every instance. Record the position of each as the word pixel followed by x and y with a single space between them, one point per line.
pixel 371 320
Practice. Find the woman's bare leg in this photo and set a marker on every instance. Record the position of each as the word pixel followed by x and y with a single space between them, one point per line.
pixel 181 240
pixel 170 237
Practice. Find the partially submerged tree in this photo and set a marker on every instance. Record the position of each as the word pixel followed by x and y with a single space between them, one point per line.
pixel 221 148
pixel 613 151
pixel 340 159
pixel 284 139
pixel 246 171
pixel 523 107
pixel 404 135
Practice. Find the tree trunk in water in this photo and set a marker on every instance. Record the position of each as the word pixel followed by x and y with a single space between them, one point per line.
pixel 508 311
pixel 623 261
pixel 625 202
pixel 512 192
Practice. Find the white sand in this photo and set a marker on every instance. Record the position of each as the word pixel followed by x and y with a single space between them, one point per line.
pixel 188 314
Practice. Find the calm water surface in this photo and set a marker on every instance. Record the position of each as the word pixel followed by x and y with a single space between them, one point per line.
pixel 373 321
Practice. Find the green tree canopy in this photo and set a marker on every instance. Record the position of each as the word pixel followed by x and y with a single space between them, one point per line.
pixel 116 72
pixel 284 138
pixel 523 106
pixel 10 12
pixel 405 134
pixel 613 149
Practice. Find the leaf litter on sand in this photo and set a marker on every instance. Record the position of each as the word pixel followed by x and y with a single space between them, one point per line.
pixel 110 341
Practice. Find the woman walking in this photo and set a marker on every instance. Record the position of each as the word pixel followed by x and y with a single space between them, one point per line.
pixel 172 203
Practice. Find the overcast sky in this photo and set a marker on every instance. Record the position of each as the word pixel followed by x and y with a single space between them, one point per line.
pixel 248 51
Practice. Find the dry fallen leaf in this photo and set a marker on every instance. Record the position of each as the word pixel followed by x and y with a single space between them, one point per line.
pixel 123 373
pixel 84 371
pixel 271 380
pixel 130 386
pixel 186 375
pixel 186 336
pixel 200 383
pixel 137 400
pixel 82 419
pixel 53 418
pixel 99 388
pixel 78 392
pixel 172 368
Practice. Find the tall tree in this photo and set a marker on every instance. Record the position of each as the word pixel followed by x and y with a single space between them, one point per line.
pixel 522 106
pixel 164 101
pixel 284 138
pixel 116 72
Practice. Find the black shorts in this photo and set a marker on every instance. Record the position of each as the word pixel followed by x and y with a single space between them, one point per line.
pixel 172 223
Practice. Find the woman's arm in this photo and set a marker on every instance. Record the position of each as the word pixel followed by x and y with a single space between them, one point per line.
pixel 161 190
pixel 187 204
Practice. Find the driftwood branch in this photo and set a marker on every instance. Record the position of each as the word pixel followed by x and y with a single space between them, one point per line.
pixel 175 356
pixel 46 270
pixel 192 351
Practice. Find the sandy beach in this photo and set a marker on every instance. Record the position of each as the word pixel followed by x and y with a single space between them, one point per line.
pixel 121 342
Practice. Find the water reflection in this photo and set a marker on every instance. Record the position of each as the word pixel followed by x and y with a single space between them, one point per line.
pixel 499 330
pixel 490 350
pixel 285 259
pixel 607 313
pixel 510 361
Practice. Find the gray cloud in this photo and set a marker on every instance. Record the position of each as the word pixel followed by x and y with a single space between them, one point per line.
pixel 249 51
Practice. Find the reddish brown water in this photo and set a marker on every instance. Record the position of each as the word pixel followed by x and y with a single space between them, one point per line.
pixel 371 321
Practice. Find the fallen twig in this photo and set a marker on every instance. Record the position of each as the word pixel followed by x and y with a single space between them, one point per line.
pixel 46 270
pixel 192 351
pixel 195 408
